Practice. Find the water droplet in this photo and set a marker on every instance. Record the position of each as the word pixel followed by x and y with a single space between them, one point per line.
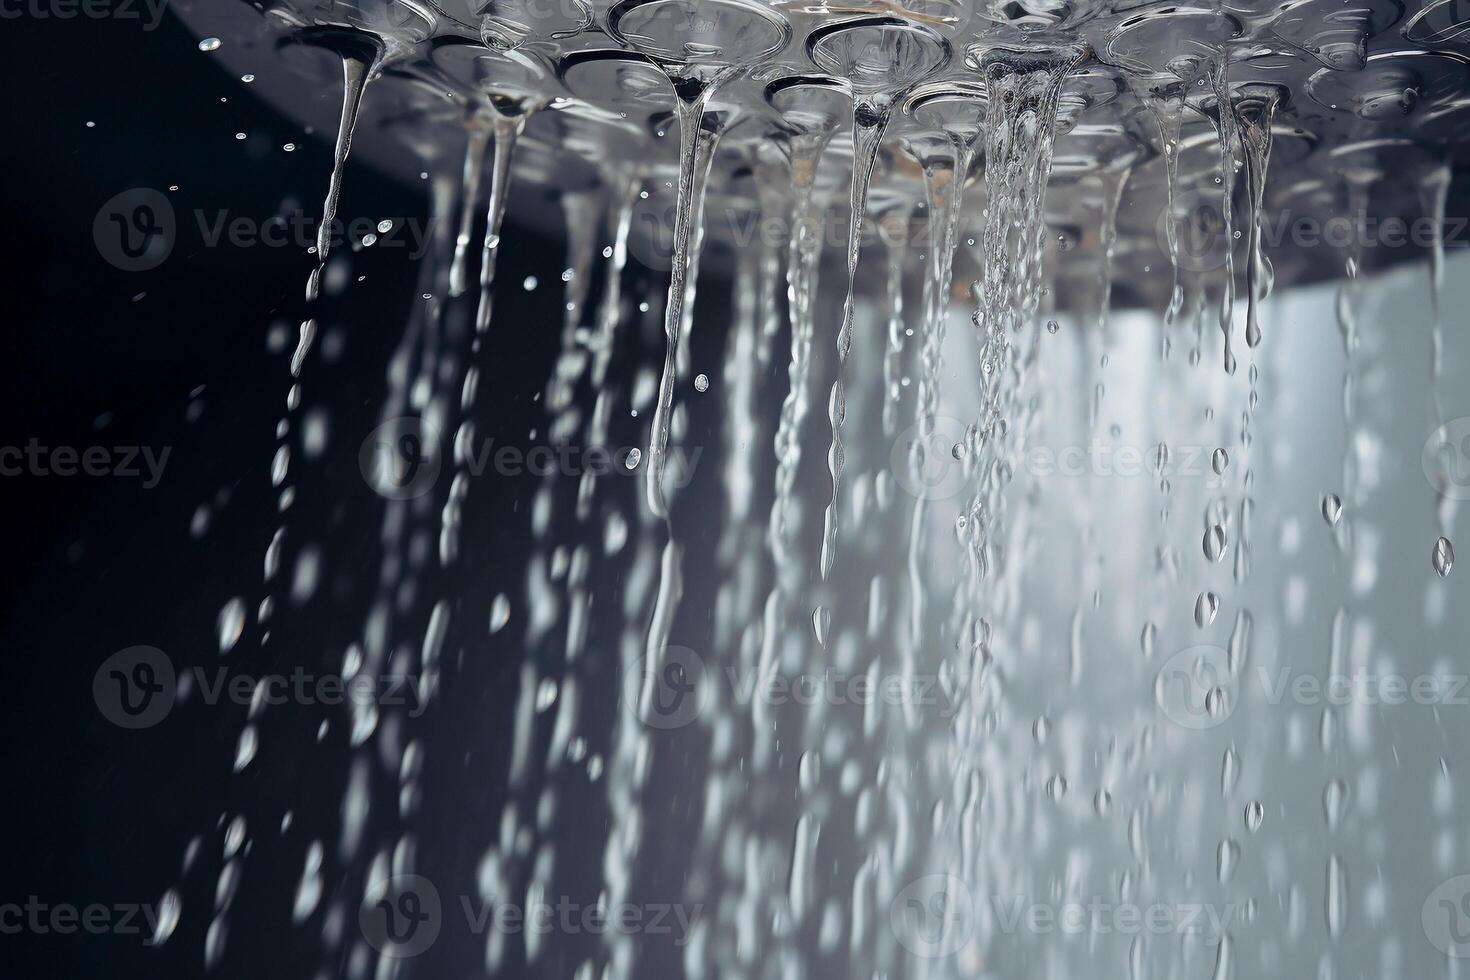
pixel 169 908
pixel 1444 556
pixel 230 624
pixel 821 622
pixel 1205 608
pixel 210 44
pixel 701 382
pixel 1334 800
pixel 1056 787
pixel 1052 326
pixel 499 613
pixel 1214 542
pixel 246 748
pixel 634 455
pixel 1331 509
pixel 530 283
pixel 1254 814
pixel 1219 460
pixel 1227 856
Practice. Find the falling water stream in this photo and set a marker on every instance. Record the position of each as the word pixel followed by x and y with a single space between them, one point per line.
pixel 693 713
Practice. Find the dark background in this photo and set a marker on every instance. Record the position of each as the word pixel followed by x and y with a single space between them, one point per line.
pixel 101 357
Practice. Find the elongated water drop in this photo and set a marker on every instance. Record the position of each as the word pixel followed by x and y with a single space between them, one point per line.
pixel 1254 115
pixel 1331 509
pixel 1443 556
pixel 1254 815
pixel 1205 608
pixel 1214 543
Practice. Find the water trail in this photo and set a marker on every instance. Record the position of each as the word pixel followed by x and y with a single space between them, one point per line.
pixel 1022 92
pixel 1021 104
pixel 895 226
pixel 1254 116
pixel 1114 183
pixel 580 210
pixel 1356 185
pixel 804 254
pixel 944 193
pixel 1166 106
pixel 508 118
pixel 1434 192
pixel 479 130
pixel 624 190
pixel 869 120
pixel 360 58
pixel 699 133
pixel 1224 120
